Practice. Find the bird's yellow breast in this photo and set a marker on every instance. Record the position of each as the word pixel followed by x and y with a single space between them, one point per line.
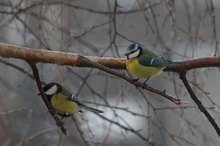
pixel 141 71
pixel 62 105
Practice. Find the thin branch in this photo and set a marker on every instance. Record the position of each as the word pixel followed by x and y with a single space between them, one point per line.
pixel 130 129
pixel 6 113
pixel 214 29
pixel 19 69
pixel 88 62
pixel 198 102
pixel 46 101
pixel 30 138
pixel 81 133
pixel 172 15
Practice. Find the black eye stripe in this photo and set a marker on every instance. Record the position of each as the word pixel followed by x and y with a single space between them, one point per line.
pixel 50 85
pixel 132 51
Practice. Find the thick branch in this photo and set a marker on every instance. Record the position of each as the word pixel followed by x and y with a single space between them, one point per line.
pixel 194 64
pixel 61 58
pixel 72 59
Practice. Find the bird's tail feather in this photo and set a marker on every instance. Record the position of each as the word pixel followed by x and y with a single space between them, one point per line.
pixel 73 98
pixel 91 109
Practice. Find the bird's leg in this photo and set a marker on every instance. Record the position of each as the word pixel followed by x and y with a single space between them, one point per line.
pixel 144 83
pixel 135 80
pixel 61 118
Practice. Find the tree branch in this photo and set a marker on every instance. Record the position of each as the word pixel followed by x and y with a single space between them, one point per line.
pixel 194 64
pixel 72 59
pixel 105 63
pixel 198 102
pixel 88 62
pixel 46 101
pixel 56 57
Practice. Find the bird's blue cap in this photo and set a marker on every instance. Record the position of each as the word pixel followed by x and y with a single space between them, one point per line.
pixel 131 48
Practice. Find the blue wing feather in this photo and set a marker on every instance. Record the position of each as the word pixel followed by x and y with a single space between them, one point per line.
pixel 155 61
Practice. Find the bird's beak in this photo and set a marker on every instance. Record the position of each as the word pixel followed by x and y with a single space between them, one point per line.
pixel 126 54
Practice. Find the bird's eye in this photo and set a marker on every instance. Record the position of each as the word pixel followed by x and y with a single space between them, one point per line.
pixel 51 90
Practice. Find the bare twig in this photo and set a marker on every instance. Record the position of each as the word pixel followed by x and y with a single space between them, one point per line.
pixel 46 101
pixel 29 138
pixel 6 113
pixel 88 62
pixel 81 133
pixel 198 102
pixel 19 69
pixel 170 8
pixel 136 132
pixel 214 29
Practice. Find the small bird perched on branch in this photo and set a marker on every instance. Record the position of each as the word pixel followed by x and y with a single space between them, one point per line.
pixel 145 64
pixel 63 101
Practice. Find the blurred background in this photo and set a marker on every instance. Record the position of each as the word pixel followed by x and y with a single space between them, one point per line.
pixel 174 29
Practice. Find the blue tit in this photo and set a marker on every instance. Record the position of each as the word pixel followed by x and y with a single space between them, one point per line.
pixel 143 63
pixel 64 103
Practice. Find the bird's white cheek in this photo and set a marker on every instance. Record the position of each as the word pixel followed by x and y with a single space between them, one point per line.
pixel 51 91
pixel 134 54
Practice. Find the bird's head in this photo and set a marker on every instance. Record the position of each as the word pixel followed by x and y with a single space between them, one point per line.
pixel 52 88
pixel 133 50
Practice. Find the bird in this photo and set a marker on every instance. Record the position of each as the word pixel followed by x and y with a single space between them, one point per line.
pixel 64 103
pixel 143 63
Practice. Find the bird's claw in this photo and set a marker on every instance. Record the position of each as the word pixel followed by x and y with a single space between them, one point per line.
pixel 143 85
pixel 135 80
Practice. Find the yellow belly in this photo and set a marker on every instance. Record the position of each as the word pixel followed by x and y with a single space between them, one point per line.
pixel 62 105
pixel 142 71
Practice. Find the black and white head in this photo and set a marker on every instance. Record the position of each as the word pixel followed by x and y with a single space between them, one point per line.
pixel 52 88
pixel 133 50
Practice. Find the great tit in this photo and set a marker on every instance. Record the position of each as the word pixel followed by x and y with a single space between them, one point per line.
pixel 145 64
pixel 64 103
